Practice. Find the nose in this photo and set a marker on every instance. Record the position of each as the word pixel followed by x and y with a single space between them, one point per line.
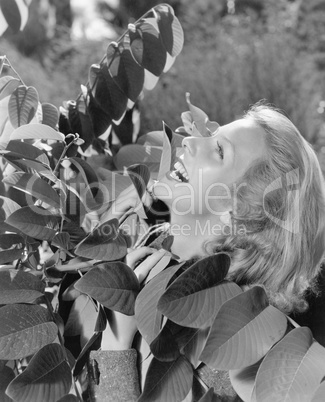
pixel 194 144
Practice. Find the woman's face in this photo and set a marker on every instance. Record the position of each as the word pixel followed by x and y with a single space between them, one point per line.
pixel 207 171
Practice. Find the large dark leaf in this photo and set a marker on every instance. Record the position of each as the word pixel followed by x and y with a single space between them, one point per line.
pixel 93 344
pixel 292 370
pixel 22 105
pixel 139 175
pixel 15 13
pixel 50 115
pixel 24 330
pixel 126 72
pixel 147 315
pixel 34 186
pixel 6 376
pixel 7 85
pixel 11 247
pixel 153 55
pixel 35 222
pixel 246 322
pixel 19 287
pixel 170 29
pixel 193 299
pixel 46 378
pixel 23 150
pixel 88 174
pixel 113 284
pixel 105 243
pixel 107 93
pixel 168 157
pixel 167 381
pixel 100 119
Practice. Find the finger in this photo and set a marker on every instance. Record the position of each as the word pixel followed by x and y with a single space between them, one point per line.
pixel 143 269
pixel 135 255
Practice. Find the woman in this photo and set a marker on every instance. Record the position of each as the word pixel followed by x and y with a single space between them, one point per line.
pixel 254 189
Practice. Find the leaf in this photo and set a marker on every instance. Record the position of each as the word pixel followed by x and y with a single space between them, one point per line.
pixel 319 394
pixel 113 182
pixel 46 378
pixel 107 93
pixel 11 255
pixel 193 299
pixel 114 285
pixel 134 153
pixel 167 381
pixel 24 330
pixel 292 370
pixel 23 150
pixel 19 287
pixel 35 222
pixel 36 131
pixel 146 313
pixel 153 56
pixel 165 347
pixel 170 29
pixel 208 396
pixel 69 398
pixel 100 119
pixel 139 175
pixel 82 319
pixel 156 139
pixel 11 13
pixel 105 243
pixel 62 241
pixel 89 175
pixel 243 380
pixel 245 322
pixel 50 115
pixel 7 207
pixel 93 344
pixel 6 376
pixel 23 104
pixel 126 72
pixel 35 186
pixel 168 157
pixel 7 86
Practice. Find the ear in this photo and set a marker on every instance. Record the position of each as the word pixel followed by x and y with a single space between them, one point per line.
pixel 225 218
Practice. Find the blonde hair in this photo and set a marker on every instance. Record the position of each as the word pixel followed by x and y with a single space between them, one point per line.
pixel 281 205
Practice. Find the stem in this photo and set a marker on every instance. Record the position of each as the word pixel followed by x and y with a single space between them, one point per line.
pixel 84 266
pixel 56 169
pixel 8 64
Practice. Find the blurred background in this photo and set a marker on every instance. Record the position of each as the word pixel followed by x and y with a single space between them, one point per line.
pixel 236 52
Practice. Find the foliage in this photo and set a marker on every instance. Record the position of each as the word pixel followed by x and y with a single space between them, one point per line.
pixel 51 255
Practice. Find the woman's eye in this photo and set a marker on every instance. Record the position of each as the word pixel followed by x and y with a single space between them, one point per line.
pixel 219 149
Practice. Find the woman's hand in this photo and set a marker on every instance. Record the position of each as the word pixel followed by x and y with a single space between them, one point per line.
pixel 128 199
pixel 121 328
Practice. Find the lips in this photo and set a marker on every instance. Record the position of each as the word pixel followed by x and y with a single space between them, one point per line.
pixel 179 173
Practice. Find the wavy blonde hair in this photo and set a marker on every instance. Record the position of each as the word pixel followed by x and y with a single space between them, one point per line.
pixel 282 208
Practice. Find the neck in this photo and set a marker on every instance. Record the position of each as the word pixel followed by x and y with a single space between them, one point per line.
pixel 191 234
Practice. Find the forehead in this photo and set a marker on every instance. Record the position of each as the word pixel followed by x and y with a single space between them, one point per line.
pixel 248 139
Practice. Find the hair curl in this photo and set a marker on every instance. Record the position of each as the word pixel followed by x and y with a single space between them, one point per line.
pixel 281 203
